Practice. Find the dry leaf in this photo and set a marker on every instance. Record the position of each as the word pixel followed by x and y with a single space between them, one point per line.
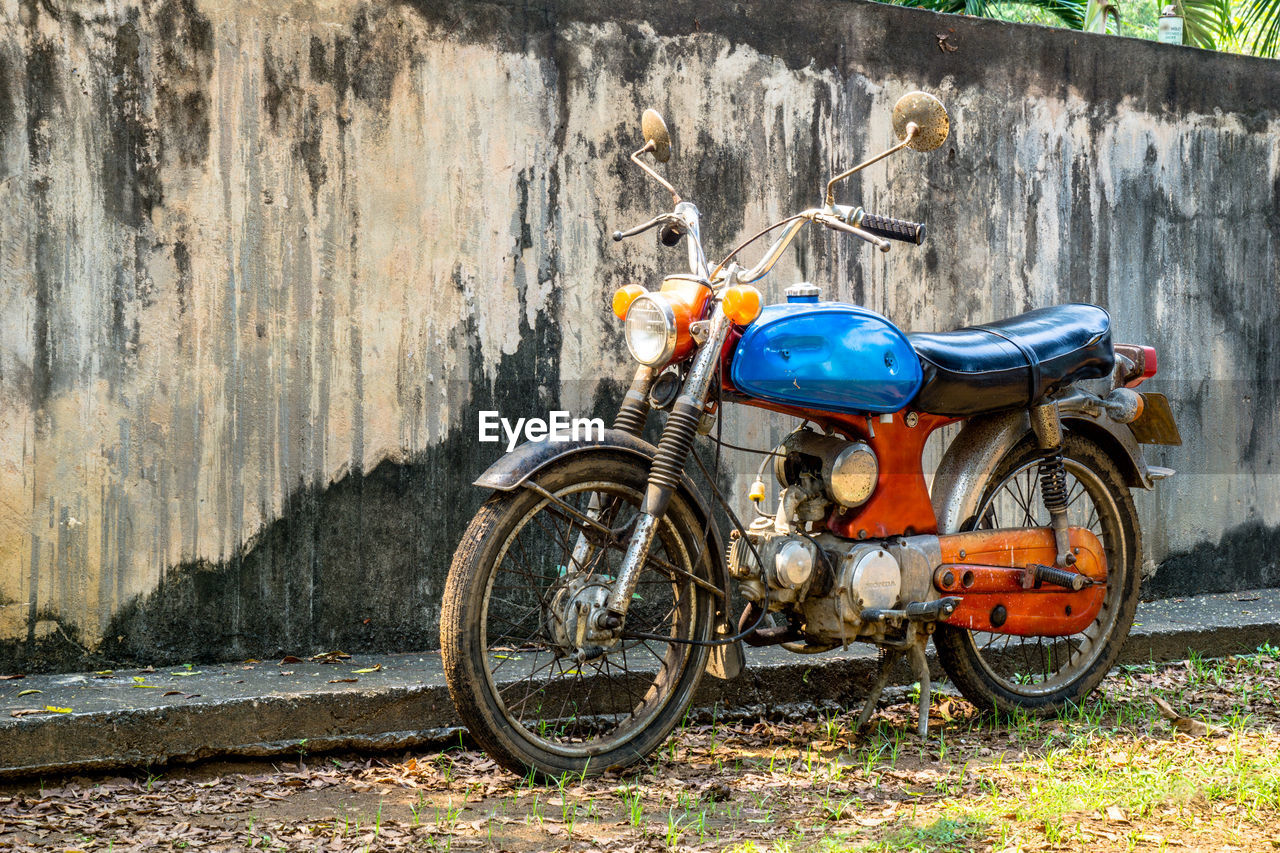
pixel 290 659
pixel 330 657
pixel 11 677
pixel 1116 815
pixel 377 667
pixel 1195 728
pixel 26 712
pixel 343 680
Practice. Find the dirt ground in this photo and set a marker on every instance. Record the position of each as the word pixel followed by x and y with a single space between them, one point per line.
pixel 1115 774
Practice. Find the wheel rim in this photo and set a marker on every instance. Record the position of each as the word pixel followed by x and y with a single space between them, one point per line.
pixel 574 708
pixel 1037 666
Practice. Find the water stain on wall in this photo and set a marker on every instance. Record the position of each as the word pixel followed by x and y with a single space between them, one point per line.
pixel 262 269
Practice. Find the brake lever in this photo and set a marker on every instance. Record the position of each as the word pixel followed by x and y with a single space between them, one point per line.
pixel 840 225
pixel 618 236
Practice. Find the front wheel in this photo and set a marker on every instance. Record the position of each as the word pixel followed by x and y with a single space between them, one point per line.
pixel 530 690
pixel 1044 674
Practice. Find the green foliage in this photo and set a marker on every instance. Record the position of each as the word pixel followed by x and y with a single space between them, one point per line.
pixel 1242 26
pixel 1258 26
pixel 1066 12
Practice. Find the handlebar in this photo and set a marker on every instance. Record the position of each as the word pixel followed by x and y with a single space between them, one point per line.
pixel 684 220
pixel 839 225
pixel 893 229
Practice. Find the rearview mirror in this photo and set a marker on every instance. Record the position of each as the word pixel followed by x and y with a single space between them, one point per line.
pixel 928 115
pixel 656 135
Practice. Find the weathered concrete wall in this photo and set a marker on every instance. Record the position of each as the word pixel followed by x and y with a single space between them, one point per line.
pixel 262 263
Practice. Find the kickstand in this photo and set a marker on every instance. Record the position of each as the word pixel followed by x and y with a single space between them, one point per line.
pixel 887 659
pixel 920 668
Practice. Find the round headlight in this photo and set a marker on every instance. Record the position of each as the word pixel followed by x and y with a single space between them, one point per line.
pixel 651 330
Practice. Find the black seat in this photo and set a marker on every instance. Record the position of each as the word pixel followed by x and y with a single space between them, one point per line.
pixel 1011 363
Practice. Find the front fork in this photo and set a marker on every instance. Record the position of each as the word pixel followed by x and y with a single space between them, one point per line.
pixel 668 466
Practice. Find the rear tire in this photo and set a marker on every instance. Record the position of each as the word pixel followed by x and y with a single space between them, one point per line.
pixel 510 672
pixel 1044 674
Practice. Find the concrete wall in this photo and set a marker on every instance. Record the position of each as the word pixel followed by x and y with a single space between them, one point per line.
pixel 262 263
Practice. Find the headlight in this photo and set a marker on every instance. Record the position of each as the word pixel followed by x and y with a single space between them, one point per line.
pixel 651 330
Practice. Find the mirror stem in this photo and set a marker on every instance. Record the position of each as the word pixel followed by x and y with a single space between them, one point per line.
pixel 635 158
pixel 912 130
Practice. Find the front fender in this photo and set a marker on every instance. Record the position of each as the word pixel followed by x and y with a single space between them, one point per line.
pixel 973 456
pixel 514 468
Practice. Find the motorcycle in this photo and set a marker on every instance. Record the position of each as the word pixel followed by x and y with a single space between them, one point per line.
pixel 593 587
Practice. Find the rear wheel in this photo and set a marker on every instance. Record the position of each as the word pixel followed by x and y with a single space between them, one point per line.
pixel 532 692
pixel 1043 674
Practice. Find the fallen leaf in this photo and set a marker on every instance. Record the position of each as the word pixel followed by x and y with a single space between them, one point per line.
pixel 377 667
pixel 290 659
pixel 1116 815
pixel 29 692
pixel 173 693
pixel 253 660
pixel 26 712
pixel 54 709
pixel 343 680
pixel 11 677
pixel 286 672
pixel 330 657
pixel 1195 728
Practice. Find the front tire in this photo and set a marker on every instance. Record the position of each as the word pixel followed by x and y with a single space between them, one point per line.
pixel 1044 674
pixel 507 625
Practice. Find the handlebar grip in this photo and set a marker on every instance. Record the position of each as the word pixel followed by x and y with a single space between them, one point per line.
pixel 893 229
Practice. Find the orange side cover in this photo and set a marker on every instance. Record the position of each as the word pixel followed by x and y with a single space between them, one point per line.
pixel 986 569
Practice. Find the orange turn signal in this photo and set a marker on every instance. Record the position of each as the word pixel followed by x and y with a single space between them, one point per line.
pixel 742 304
pixel 623 298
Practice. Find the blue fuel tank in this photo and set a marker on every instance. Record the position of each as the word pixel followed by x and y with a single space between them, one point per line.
pixel 826 355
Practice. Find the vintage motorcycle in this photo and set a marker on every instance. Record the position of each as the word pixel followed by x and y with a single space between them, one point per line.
pixel 593 587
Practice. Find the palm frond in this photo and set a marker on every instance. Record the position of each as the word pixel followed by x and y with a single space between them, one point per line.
pixel 1205 21
pixel 1262 21
pixel 1070 12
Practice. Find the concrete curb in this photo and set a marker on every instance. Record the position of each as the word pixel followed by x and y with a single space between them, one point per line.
pixel 258 711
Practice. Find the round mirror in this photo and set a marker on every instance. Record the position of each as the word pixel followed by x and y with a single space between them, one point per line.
pixel 655 131
pixel 927 113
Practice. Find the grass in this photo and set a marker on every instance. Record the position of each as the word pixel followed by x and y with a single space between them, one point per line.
pixel 1107 774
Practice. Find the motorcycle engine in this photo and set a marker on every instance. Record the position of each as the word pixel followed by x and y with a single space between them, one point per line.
pixel 847 470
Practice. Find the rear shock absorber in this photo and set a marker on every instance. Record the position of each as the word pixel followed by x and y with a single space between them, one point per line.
pixel 1047 426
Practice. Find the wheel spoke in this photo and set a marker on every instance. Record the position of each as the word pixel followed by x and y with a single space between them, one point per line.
pixel 544 576
pixel 1039 665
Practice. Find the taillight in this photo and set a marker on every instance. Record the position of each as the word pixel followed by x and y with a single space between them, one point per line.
pixel 1142 363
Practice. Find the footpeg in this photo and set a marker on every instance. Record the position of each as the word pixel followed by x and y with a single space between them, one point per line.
pixel 932 611
pixel 1073 581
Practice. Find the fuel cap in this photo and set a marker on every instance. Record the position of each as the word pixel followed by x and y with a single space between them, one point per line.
pixel 803 291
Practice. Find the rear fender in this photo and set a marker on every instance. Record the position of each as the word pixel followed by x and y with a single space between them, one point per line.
pixel 972 458
pixel 513 469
